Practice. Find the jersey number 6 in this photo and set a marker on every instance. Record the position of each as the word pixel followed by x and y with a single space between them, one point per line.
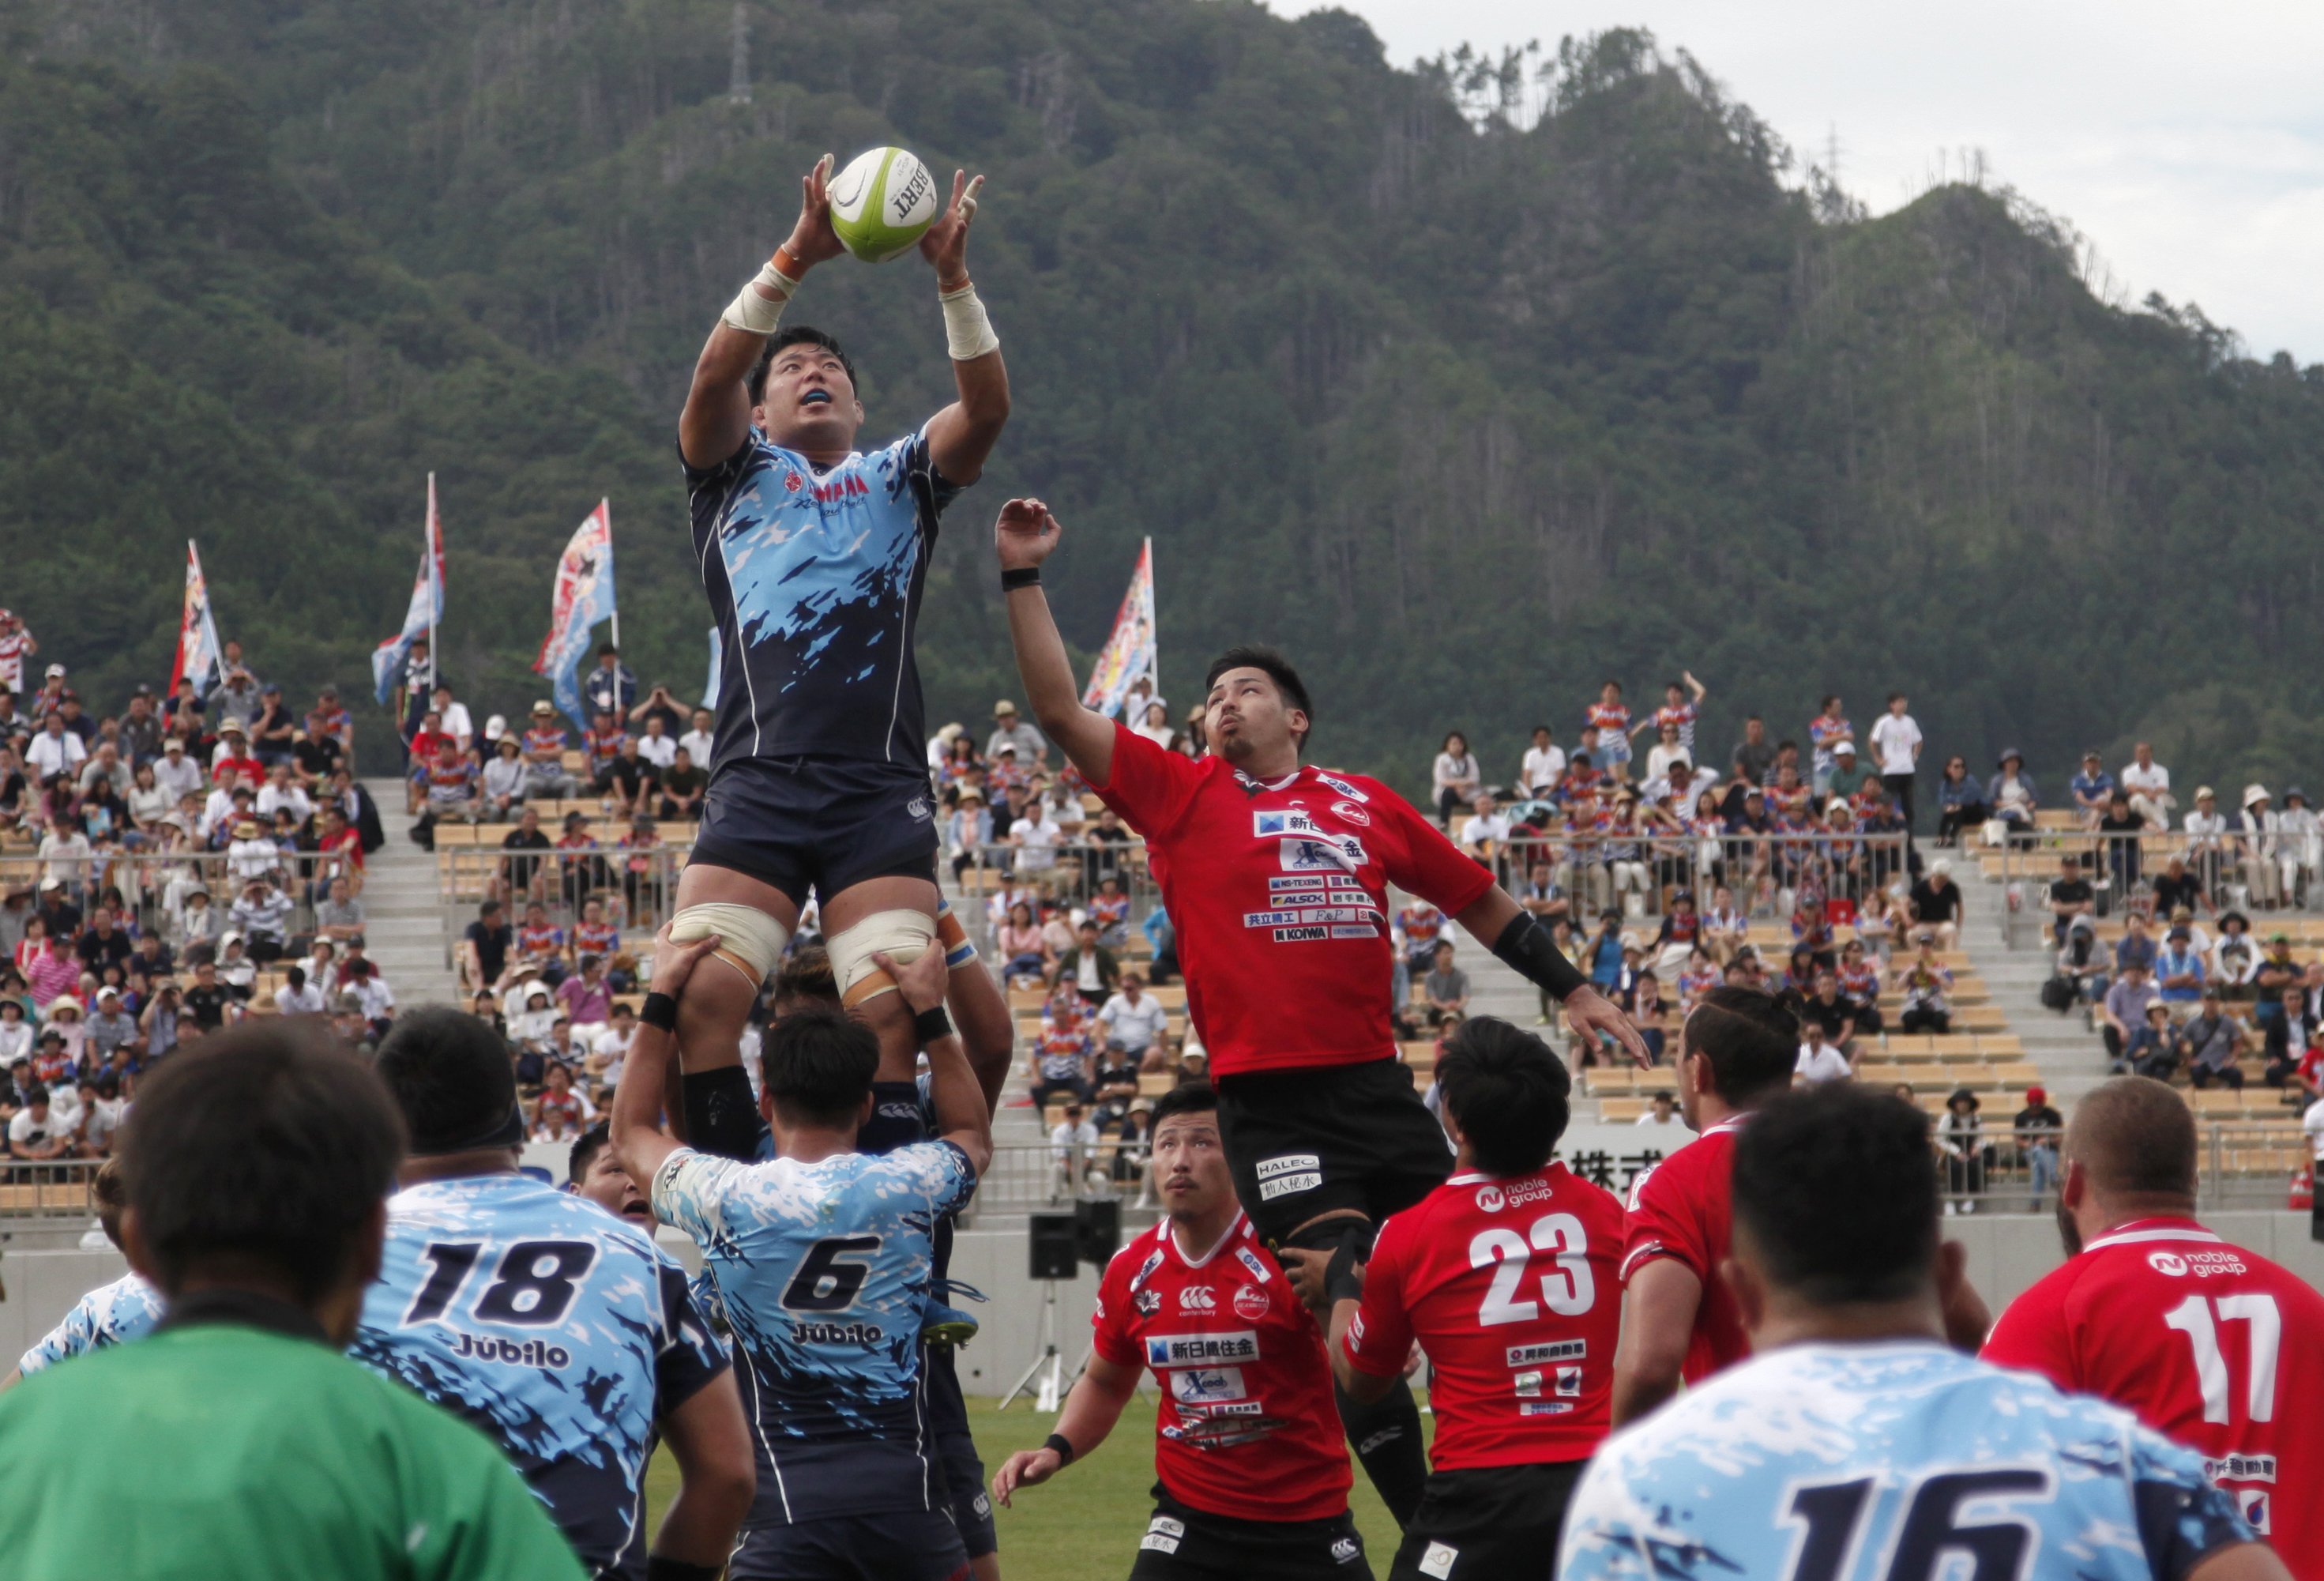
pixel 1568 1287
pixel 822 1282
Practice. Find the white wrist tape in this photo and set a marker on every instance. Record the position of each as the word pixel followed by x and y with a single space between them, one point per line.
pixel 754 314
pixel 968 333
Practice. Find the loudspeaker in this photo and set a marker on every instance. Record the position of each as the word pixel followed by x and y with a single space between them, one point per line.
pixel 1053 1246
pixel 1099 1221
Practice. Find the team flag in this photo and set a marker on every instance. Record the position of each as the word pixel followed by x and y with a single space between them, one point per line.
pixel 1130 652
pixel 422 615
pixel 200 662
pixel 583 595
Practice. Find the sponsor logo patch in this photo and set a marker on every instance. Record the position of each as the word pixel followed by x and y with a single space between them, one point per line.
pixel 1206 1385
pixel 2169 1263
pixel 1569 1383
pixel 1250 1303
pixel 1301 935
pixel 1352 813
pixel 1284 821
pixel 917 806
pixel 1255 1263
pixel 1167 1526
pixel 1342 786
pixel 1557 1350
pixel 1527 1386
pixel 1540 1408
pixel 1436 1560
pixel 1197 1298
pixel 1491 1199
pixel 1201 1350
pixel 984 1506
pixel 1285 1163
pixel 1339 854
pixel 1286 1186
pixel 1345 1550
pixel 1158 1543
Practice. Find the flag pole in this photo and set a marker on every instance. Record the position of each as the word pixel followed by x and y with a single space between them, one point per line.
pixel 606 505
pixel 434 584
pixel 1154 600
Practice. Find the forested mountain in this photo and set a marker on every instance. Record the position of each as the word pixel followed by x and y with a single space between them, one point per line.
pixel 1466 416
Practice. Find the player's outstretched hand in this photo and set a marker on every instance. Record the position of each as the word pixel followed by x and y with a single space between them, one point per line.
pixel 1590 1012
pixel 674 962
pixel 812 238
pixel 923 983
pixel 1027 1468
pixel 944 244
pixel 1025 534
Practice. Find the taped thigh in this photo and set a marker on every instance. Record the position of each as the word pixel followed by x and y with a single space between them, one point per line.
pixel 903 936
pixel 749 940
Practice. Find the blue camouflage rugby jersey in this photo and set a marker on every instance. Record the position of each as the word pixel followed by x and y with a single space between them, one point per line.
pixel 1900 1461
pixel 561 1331
pixel 823 1272
pixel 128 1308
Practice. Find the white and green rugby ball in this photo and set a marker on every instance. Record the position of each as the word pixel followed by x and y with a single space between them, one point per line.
pixel 882 203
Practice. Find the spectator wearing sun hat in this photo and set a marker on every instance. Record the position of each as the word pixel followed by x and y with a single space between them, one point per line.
pixel 2207 836
pixel 2091 789
pixel 2011 793
pixel 1011 730
pixel 544 754
pixel 2263 829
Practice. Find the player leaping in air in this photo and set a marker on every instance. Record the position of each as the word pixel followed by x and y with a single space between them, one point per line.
pixel 815 556
pixel 1277 877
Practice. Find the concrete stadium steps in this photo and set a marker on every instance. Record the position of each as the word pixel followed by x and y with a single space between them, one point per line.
pixel 403 921
pixel 2071 1059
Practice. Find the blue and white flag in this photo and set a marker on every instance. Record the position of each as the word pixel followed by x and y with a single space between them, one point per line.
pixel 421 614
pixel 583 595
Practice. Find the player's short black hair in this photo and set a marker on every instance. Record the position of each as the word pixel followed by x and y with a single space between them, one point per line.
pixel 108 1190
pixel 799 334
pixel 1197 1097
pixel 2135 1137
pixel 805 980
pixel 1751 1041
pixel 450 1075
pixel 265 1149
pixel 1835 1194
pixel 819 1066
pixel 1508 1094
pixel 594 1141
pixel 1275 666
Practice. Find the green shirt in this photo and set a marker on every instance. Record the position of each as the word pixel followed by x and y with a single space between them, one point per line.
pixel 222 1448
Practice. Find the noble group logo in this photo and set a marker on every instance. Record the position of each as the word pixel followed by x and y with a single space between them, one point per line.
pixel 1250 1303
pixel 1489 1199
pixel 2169 1263
pixel 1198 1298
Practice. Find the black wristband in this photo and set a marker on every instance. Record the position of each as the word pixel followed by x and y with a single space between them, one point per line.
pixel 931 1026
pixel 1056 1444
pixel 659 1568
pixel 1021 577
pixel 1526 946
pixel 659 1010
pixel 1341 1282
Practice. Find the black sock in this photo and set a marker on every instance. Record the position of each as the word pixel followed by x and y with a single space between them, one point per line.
pixel 1386 1438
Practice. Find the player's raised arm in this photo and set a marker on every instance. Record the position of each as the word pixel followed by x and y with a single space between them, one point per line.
pixel 1519 941
pixel 1025 535
pixel 634 1123
pixel 963 434
pixel 717 415
pixel 963 1116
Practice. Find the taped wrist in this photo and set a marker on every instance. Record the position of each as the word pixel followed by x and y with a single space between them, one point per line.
pixel 1526 948
pixel 754 314
pixel 968 331
pixel 1341 1282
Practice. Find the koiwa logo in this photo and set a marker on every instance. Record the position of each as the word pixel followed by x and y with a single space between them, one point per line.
pixel 2169 1263
pixel 1489 1199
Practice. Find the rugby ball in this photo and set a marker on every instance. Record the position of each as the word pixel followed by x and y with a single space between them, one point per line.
pixel 882 203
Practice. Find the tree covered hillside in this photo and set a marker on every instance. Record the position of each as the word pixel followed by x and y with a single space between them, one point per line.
pixel 1465 415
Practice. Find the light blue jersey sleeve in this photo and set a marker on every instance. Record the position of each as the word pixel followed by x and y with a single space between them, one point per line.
pixel 125 1309
pixel 1902 1461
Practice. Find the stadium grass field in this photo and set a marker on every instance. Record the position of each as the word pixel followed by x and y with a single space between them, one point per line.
pixel 1087 1522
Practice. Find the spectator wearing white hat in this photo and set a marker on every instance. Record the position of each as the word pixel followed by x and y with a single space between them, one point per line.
pixel 1011 731
pixel 177 773
pixel 2207 839
pixel 2262 829
pixel 544 754
pixel 2298 845
pixel 507 777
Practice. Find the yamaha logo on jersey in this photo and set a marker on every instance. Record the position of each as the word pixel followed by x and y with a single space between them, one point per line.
pixel 1250 1302
pixel 1489 1199
pixel 1198 1298
pixel 2167 1262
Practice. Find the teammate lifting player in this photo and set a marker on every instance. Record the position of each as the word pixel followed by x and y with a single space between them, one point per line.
pixel 815 556
pixel 1506 1276
pixel 1277 877
pixel 2209 1344
pixel 1251 1473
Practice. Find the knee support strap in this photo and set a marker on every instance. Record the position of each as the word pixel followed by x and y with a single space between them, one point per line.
pixel 902 936
pixel 749 940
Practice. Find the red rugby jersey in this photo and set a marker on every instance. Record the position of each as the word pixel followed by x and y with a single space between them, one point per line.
pixel 1248 1428
pixel 1513 1288
pixel 1279 895
pixel 1682 1209
pixel 2206 1343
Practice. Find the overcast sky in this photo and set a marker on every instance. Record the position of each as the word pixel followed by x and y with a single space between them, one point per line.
pixel 2186 142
